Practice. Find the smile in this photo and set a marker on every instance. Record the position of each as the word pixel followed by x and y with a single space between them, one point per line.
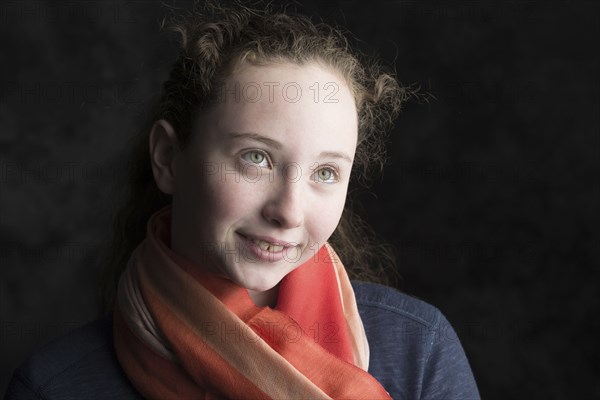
pixel 271 247
pixel 266 248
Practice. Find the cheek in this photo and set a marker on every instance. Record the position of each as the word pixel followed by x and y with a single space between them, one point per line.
pixel 324 218
pixel 228 199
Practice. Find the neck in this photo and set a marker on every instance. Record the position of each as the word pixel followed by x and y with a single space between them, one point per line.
pixel 265 298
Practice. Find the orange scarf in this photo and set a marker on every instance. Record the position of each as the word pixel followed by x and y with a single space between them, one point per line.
pixel 182 332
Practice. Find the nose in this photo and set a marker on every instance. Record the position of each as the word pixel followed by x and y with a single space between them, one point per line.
pixel 285 207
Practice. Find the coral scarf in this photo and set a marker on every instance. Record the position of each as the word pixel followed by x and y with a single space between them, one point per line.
pixel 182 332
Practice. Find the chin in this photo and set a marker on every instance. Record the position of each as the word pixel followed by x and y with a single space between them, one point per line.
pixel 258 283
pixel 262 286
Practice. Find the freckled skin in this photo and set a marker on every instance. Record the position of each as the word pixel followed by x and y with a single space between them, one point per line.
pixel 222 187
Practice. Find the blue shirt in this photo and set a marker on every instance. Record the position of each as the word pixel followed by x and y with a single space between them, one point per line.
pixel 415 354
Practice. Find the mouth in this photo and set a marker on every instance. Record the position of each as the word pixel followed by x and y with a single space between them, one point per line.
pixel 270 247
pixel 267 243
pixel 267 248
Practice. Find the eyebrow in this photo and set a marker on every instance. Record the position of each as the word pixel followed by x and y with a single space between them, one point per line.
pixel 256 137
pixel 277 145
pixel 335 154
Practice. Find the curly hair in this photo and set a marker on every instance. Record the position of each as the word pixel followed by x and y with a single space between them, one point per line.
pixel 214 41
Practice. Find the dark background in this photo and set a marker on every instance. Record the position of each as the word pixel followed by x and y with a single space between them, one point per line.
pixel 491 195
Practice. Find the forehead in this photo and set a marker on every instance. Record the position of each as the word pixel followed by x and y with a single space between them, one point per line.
pixel 289 101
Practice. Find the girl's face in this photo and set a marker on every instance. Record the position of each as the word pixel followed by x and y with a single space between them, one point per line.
pixel 262 185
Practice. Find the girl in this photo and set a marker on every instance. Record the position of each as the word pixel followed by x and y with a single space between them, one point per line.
pixel 237 269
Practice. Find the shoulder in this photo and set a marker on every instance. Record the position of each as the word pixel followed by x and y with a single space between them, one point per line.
pixel 396 322
pixel 415 352
pixel 390 302
pixel 81 364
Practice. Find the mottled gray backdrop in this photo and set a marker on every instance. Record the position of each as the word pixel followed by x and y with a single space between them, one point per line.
pixel 491 195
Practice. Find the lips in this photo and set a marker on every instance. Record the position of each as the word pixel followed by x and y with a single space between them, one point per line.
pixel 266 248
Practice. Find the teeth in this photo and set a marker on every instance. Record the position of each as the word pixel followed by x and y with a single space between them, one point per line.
pixel 267 246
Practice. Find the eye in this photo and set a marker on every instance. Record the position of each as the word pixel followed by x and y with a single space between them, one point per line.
pixel 256 157
pixel 326 175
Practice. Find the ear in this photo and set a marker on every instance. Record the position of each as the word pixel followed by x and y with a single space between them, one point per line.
pixel 164 148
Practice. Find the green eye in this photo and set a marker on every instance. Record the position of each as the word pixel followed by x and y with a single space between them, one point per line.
pixel 326 175
pixel 255 157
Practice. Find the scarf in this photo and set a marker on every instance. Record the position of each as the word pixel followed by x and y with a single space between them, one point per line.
pixel 181 331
